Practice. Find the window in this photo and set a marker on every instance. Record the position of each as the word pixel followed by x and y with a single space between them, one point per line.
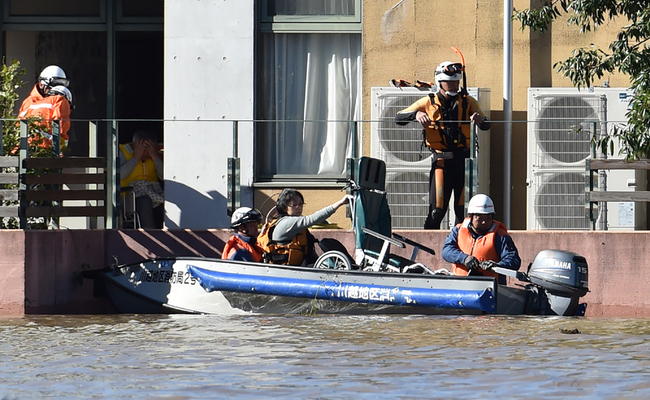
pixel 54 11
pixel 310 15
pixel 309 91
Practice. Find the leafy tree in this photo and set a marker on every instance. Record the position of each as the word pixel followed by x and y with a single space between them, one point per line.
pixel 10 81
pixel 628 53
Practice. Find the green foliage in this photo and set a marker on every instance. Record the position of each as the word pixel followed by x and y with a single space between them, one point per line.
pixel 628 53
pixel 9 82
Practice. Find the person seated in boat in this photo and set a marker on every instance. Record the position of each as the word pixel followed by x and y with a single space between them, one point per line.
pixel 242 246
pixel 480 243
pixel 286 238
pixel 141 167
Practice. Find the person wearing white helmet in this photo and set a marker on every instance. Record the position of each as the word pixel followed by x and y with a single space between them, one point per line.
pixel 445 117
pixel 480 242
pixel 49 100
pixel 242 246
pixel 62 91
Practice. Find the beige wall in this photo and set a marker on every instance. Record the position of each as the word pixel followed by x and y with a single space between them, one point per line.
pixel 408 41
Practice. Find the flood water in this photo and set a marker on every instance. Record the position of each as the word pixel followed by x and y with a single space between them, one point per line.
pixel 323 357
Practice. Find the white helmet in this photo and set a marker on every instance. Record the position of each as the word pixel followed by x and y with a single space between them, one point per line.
pixel 449 71
pixel 244 215
pixel 61 91
pixel 480 204
pixel 53 76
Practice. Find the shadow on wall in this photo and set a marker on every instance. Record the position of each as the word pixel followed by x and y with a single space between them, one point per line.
pixel 190 209
pixel 128 246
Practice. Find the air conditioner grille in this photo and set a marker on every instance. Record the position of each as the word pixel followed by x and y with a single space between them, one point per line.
pixel 560 201
pixel 565 125
pixel 408 198
pixel 401 143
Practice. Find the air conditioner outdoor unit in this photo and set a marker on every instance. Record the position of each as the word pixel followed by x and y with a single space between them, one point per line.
pixel 561 124
pixel 407 163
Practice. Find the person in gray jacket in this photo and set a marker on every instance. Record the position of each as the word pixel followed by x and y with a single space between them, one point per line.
pixel 286 238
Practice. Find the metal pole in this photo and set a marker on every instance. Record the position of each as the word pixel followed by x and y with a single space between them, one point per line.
pixel 234 189
pixel 22 154
pixel 56 138
pixel 507 110
pixel 112 175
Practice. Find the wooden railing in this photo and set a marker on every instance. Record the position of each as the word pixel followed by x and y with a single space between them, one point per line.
pixel 596 196
pixel 52 185
pixel 9 179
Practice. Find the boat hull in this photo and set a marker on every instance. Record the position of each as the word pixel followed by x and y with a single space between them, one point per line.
pixel 214 286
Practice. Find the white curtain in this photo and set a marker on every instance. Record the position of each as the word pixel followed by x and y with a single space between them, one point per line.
pixel 311 88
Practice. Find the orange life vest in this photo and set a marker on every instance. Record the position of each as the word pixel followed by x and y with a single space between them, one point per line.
pixel 235 243
pixel 292 253
pixel 483 247
pixel 435 136
pixel 143 171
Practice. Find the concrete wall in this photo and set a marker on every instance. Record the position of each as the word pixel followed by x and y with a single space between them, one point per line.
pixel 41 269
pixel 208 84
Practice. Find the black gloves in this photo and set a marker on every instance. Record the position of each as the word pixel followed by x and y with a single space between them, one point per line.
pixel 485 265
pixel 471 262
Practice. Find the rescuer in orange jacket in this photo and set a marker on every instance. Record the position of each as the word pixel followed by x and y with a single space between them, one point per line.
pixel 49 104
pixel 441 115
pixel 242 246
pixel 480 243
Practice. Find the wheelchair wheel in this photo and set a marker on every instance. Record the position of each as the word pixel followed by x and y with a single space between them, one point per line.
pixel 333 259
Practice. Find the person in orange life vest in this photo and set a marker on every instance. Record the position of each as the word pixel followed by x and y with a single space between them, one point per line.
pixel 242 246
pixel 47 105
pixel 441 115
pixel 141 167
pixel 480 243
pixel 286 239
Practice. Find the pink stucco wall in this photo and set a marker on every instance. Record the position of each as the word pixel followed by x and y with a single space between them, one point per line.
pixel 40 270
pixel 12 272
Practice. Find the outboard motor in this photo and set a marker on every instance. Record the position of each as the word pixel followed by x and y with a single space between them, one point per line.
pixel 563 276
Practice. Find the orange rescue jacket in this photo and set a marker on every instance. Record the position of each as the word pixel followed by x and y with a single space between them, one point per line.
pixel 48 108
pixel 292 253
pixel 435 136
pixel 235 244
pixel 483 247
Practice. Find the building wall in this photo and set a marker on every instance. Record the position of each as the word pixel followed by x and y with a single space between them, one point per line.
pixel 408 39
pixel 41 270
pixel 208 84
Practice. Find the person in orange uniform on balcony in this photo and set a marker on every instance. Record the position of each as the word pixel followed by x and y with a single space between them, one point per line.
pixel 141 167
pixel 441 115
pixel 242 246
pixel 48 106
pixel 480 243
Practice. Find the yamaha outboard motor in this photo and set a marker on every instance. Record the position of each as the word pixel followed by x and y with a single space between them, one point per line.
pixel 563 276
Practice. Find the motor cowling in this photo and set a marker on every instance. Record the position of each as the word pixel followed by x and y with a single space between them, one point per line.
pixel 564 277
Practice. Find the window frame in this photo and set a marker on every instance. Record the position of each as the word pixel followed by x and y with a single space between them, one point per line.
pixel 310 23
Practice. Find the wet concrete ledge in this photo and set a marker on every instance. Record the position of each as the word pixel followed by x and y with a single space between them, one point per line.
pixel 40 270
